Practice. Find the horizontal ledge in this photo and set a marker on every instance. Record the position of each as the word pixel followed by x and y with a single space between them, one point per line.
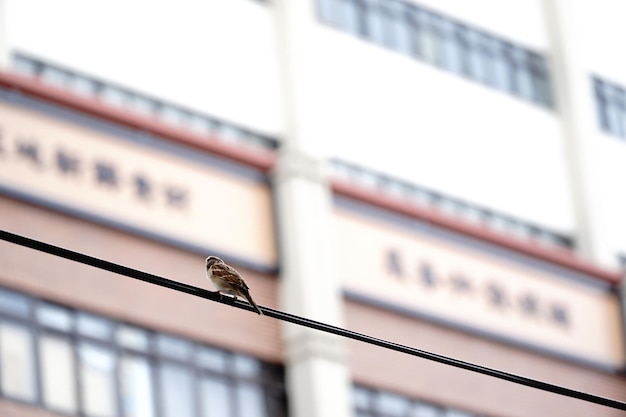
pixel 561 257
pixel 257 158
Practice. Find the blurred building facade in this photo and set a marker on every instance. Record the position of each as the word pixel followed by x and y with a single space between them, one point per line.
pixel 441 174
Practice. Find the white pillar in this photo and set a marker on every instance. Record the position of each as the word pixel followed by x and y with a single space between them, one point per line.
pixel 573 91
pixel 317 374
pixel 4 44
pixel 318 380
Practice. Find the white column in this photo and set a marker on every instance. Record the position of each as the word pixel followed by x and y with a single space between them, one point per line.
pixel 574 96
pixel 318 380
pixel 4 44
pixel 317 374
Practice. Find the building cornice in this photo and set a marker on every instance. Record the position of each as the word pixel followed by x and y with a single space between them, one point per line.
pixel 265 160
pixel 257 158
pixel 559 256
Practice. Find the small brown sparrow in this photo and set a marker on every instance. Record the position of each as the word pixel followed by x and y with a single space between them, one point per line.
pixel 227 280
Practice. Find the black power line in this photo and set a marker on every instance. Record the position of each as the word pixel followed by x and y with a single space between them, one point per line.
pixel 214 296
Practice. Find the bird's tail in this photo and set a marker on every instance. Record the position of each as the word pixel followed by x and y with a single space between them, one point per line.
pixel 251 301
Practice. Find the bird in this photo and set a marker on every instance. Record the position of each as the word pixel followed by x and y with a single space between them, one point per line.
pixel 228 281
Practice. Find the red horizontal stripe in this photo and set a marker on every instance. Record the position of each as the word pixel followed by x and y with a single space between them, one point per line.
pixel 264 160
pixel 559 256
pixel 257 158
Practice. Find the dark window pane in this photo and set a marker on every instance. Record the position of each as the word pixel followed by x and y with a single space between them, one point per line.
pixel 173 347
pixel 523 75
pixel 464 50
pixel 58 374
pixel 246 366
pixel 135 376
pixel 201 125
pixel 132 337
pixel 361 398
pixel 500 66
pixel 602 105
pixel 435 51
pixel 456 413
pixel 350 16
pixel 55 77
pixel 402 29
pixel 17 368
pixel 450 47
pixel 142 105
pixel 391 404
pixel 325 10
pixel 617 112
pixel 25 66
pixel 216 397
pixel 425 410
pixel 540 80
pixel 114 96
pixel 416 31
pixel 94 326
pixel 54 316
pixel 481 58
pixel 177 390
pixel 250 400
pixel 388 23
pixel 97 366
pixel 210 358
pixel 612 110
pixel 14 303
pixel 374 19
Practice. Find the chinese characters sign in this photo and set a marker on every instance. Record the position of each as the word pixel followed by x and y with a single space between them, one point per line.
pixel 478 290
pixel 138 186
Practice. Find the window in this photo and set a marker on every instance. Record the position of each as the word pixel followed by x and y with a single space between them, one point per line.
pixel 97 376
pixel 325 11
pixel 523 79
pixel 58 374
pixel 17 373
pixel 202 125
pixel 389 23
pixel 616 111
pixel 461 35
pixel 481 58
pixel 501 69
pixel 401 28
pixel 122 98
pixel 55 77
pixel 444 42
pixel 611 107
pixel 372 403
pixel 451 53
pixel 539 79
pixel 91 366
pixel 136 386
pixel 114 96
pixel 375 29
pixel 177 390
pixel 602 105
pixel 83 86
pixel 423 198
pixel 350 15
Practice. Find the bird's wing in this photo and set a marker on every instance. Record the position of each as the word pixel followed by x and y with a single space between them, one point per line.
pixel 229 275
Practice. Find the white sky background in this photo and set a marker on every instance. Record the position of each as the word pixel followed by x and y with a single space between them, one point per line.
pixel 207 55
pixel 440 131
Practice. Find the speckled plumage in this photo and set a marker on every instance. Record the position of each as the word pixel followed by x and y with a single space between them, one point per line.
pixel 227 280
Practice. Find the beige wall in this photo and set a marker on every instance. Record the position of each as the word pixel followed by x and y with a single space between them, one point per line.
pixel 226 212
pixel 431 381
pixel 126 299
pixel 593 330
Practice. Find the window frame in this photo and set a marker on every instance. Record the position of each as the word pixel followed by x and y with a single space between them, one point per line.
pixel 269 379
